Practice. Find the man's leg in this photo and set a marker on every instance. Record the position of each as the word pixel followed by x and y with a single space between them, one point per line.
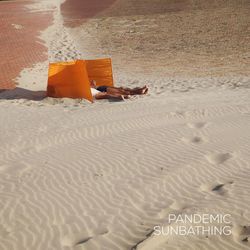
pixel 137 91
pixel 127 91
pixel 117 91
pixel 105 95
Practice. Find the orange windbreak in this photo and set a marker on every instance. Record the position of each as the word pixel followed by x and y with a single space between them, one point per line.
pixel 69 79
pixel 100 70
pixel 72 79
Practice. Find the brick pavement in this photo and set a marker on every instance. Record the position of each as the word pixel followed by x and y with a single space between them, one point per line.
pixel 20 46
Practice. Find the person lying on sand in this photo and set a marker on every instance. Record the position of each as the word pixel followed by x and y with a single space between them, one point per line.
pixel 120 93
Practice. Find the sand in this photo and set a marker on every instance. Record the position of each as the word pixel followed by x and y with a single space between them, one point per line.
pixel 76 175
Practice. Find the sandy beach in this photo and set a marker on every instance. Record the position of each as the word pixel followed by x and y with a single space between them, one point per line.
pixel 108 175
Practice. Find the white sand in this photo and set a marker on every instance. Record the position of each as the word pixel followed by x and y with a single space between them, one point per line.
pixel 75 175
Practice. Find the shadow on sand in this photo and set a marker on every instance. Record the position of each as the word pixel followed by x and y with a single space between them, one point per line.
pixel 26 94
pixel 20 93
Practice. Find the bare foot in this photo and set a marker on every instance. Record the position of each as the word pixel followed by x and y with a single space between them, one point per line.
pixel 145 91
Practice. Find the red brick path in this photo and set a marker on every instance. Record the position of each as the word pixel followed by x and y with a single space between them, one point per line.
pixel 20 46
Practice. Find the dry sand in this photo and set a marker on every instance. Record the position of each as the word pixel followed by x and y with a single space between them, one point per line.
pixel 76 175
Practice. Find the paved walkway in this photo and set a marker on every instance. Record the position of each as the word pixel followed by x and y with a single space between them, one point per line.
pixel 20 45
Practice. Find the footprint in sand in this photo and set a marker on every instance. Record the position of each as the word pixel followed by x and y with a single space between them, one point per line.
pixel 82 238
pixel 241 233
pixel 218 158
pixel 99 232
pixel 74 240
pixel 194 140
pixel 197 125
pixel 218 188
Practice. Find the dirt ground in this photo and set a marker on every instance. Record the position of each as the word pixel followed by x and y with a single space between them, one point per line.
pixel 183 37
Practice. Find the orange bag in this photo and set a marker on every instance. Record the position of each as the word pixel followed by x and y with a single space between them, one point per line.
pixel 72 79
